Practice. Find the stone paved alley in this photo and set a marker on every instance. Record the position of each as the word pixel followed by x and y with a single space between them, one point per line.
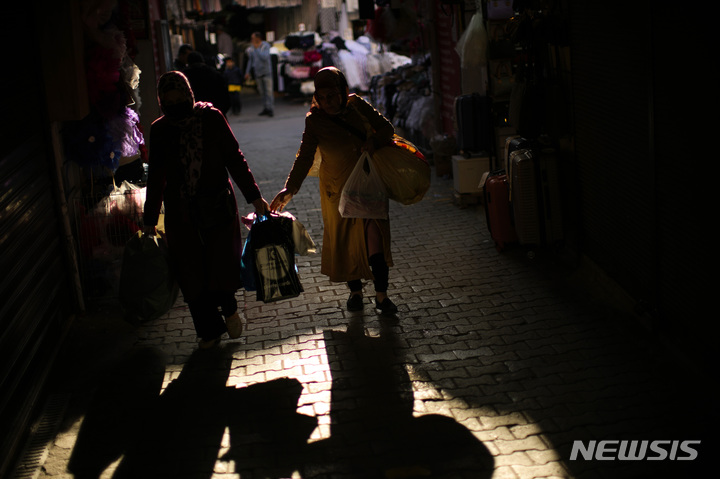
pixel 494 365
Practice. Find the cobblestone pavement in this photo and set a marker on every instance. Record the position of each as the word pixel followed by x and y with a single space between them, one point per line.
pixel 494 366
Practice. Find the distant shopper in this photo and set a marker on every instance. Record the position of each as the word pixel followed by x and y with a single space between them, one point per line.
pixel 224 42
pixel 181 61
pixel 193 155
pixel 234 78
pixel 207 82
pixel 354 249
pixel 259 67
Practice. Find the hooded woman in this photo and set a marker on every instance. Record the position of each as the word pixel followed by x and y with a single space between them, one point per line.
pixel 343 125
pixel 192 155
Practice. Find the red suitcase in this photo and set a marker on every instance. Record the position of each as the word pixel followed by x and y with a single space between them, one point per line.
pixel 497 209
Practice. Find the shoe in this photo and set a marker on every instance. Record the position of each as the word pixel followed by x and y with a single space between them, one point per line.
pixel 270 114
pixel 234 326
pixel 355 302
pixel 386 307
pixel 209 343
pixel 264 112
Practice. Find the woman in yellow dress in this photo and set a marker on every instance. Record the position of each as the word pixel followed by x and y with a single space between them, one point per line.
pixel 343 125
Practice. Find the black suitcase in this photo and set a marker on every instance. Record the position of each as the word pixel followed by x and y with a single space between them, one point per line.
pixel 472 113
pixel 535 196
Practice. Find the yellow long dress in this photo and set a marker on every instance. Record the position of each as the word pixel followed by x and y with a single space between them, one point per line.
pixel 344 252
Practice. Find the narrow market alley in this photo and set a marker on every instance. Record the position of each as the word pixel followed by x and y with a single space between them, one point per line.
pixel 494 366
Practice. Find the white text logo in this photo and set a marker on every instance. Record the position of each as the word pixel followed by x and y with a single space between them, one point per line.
pixel 626 450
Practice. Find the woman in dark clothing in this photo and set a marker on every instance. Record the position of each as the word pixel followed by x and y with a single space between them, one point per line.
pixel 192 150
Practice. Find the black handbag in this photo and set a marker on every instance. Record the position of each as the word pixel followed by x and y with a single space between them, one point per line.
pixel 147 286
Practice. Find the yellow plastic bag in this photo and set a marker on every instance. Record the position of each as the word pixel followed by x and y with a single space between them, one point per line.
pixel 404 171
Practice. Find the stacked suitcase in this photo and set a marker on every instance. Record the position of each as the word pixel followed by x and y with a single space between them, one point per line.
pixel 533 195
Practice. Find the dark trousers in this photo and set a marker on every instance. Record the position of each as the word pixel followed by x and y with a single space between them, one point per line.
pixel 208 313
pixel 380 271
pixel 235 102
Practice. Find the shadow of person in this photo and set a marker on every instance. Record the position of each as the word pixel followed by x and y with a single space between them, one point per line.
pixel 183 436
pixel 268 437
pixel 373 432
pixel 122 403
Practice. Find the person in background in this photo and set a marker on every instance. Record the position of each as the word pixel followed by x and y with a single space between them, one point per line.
pixel 192 156
pixel 234 79
pixel 182 57
pixel 207 82
pixel 354 249
pixel 224 41
pixel 259 66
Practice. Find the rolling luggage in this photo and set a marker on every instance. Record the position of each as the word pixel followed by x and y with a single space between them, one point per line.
pixel 535 196
pixel 524 196
pixel 513 143
pixel 498 212
pixel 472 113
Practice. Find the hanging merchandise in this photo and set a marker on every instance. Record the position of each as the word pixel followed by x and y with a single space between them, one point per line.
pixel 125 133
pixel 109 136
pixel 499 45
pixel 126 200
pixel 472 44
pixel 500 9
pixel 88 143
pixel 502 81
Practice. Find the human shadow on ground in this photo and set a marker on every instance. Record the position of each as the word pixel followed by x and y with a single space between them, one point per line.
pixel 178 434
pixel 268 437
pixel 373 432
pixel 174 434
pixel 122 403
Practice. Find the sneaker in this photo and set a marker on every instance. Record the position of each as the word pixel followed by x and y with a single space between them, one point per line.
pixel 264 112
pixel 355 302
pixel 386 307
pixel 270 113
pixel 234 326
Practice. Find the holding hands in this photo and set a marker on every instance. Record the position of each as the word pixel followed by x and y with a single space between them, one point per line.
pixel 261 206
pixel 281 199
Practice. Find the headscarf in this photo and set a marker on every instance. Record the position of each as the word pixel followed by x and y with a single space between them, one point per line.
pixel 190 124
pixel 174 80
pixel 331 77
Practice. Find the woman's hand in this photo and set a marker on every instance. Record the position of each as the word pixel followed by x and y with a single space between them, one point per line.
pixel 261 206
pixel 281 199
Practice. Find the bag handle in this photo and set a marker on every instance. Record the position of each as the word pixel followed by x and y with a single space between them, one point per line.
pixel 349 127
